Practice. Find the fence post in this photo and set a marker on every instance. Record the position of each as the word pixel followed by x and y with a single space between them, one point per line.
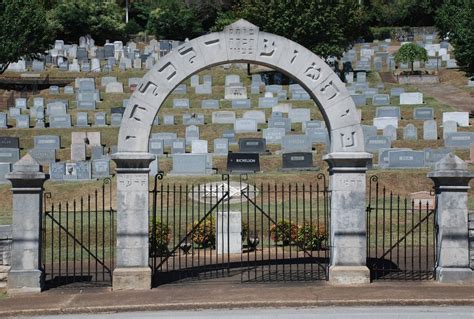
pixel 26 273
pixel 451 178
pixel 132 268
pixel 347 183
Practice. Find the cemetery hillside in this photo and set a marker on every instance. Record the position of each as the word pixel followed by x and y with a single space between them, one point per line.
pixel 284 121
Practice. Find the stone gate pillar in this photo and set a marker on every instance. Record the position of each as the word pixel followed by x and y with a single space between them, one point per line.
pixel 451 179
pixel 132 267
pixel 26 273
pixel 347 183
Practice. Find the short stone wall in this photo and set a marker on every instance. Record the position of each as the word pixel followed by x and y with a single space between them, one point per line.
pixel 417 79
pixel 471 239
pixel 5 253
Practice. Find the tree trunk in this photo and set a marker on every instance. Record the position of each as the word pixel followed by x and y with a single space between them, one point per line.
pixel 4 67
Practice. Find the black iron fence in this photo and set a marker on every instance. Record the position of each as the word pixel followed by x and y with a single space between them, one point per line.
pixel 239 230
pixel 401 236
pixel 79 238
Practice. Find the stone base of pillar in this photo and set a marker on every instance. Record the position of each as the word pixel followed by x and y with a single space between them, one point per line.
pixel 25 281
pixel 349 275
pixel 455 275
pixel 133 278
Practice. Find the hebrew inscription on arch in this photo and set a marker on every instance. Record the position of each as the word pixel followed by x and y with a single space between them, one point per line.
pixel 242 41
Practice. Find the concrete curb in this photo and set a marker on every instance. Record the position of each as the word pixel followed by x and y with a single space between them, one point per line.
pixel 233 305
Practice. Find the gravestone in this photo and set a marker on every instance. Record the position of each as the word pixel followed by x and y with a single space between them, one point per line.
pixel 423 113
pixel 210 104
pixel 232 79
pixel 313 124
pixel 14 112
pixel 395 92
pixel 430 130
pixel 297 161
pixel 375 143
pixel 203 89
pixel 258 116
pixel 299 115
pixel 20 103
pixel 245 126
pixel 57 171
pixel 383 155
pixel 410 133
pixel 381 99
pixel 9 142
pixel 49 142
pixel 406 159
pixel 97 152
pixel 3 120
pixel 273 135
pixel 370 92
pixel 100 168
pixel 461 118
pixel 54 89
pixel 180 89
pixel 280 123
pixel 318 135
pixel 282 108
pixel 167 137
pixel 190 164
pixel 168 120
pixel 191 134
pixel 391 132
pixel 193 119
pixel 9 155
pixel 229 232
pixel 388 111
pixel 5 168
pixel 369 130
pixel 114 87
pixel 267 102
pixel 359 99
pixel 78 152
pixel 178 146
pixel 43 156
pixel 235 92
pixel 252 145
pixel 100 119
pixel 199 147
pixel 241 104
pixel 432 156
pixel 82 119
pixel 243 163
pixel 180 103
pixel 116 119
pixel 413 98
pixel 221 146
pixel 22 121
pixel 156 146
pixel 296 143
pixel 194 80
pixel 459 140
pixel 230 136
pixel 382 122
pixel 449 127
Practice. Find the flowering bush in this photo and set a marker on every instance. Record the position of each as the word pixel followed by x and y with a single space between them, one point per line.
pixel 160 237
pixel 284 231
pixel 204 234
pixel 311 237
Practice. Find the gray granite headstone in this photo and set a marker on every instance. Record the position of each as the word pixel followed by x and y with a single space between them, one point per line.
pixel 381 99
pixel 318 135
pixel 297 161
pixel 230 136
pixel 423 113
pixel 100 119
pixel 369 130
pixel 199 147
pixel 374 143
pixel 191 134
pixel 178 146
pixel 82 119
pixel 459 140
pixel 258 116
pixel 181 103
pixel 223 117
pixel 299 115
pixel 9 155
pixel 190 164
pixel 9 142
pixel 168 120
pixel 406 159
pixel 21 103
pixel 97 152
pixel 388 111
pixel 280 123
pixel 245 126
pixel 410 133
pixel 3 120
pixel 5 168
pixel 267 102
pixel 313 124
pixel 241 104
pixel 43 156
pixel 296 143
pixel 383 155
pixel 193 119
pixel 221 146
pixel 78 152
pixel 273 135
pixel 210 104
pixel 60 121
pixel 50 142
pixel 156 146
pixel 57 171
pixel 391 132
pixel 396 91
pixel 359 99
pixel 449 127
pixel 430 130
pixel 252 145
pixel 167 137
pixel 432 156
pixel 23 121
pixel 100 168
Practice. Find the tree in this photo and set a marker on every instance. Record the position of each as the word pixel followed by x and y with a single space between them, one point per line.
pixel 324 27
pixel 174 20
pixel 24 31
pixel 410 53
pixel 455 20
pixel 102 19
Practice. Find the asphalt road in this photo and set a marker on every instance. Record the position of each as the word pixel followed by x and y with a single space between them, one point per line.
pixel 292 313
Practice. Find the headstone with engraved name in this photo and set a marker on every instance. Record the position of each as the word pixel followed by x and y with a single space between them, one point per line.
pixel 167 137
pixel 193 119
pixel 9 155
pixel 23 121
pixel 191 134
pixel 252 145
pixel 267 102
pixel 406 159
pixel 230 136
pixel 410 133
pixel 168 120
pixel 381 99
pixel 156 146
pixel 459 140
pixel 391 132
pixel 245 125
pixel 299 115
pixel 449 127
pixel 296 143
pixel 423 113
pixel 100 168
pixel 273 135
pixel 412 98
pixel 82 119
pixel 280 123
pixel 243 162
pixel 297 161
pixel 116 119
pixel 388 111
pixel 190 164
pixel 241 104
pixel 461 118
pixel 3 120
pixel 178 146
pixel 382 122
pixel 43 156
pixel 374 143
pixel 199 147
pixel 235 92
pixel 50 142
pixel 221 146
pixel 180 103
pixel 9 142
pixel 210 104
pixel 318 135
pixel 258 116
pixel 100 119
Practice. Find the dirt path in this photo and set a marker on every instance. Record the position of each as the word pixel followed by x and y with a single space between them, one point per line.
pixel 449 94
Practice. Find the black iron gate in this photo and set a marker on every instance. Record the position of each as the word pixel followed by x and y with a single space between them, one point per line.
pixel 401 236
pixel 79 238
pixel 240 231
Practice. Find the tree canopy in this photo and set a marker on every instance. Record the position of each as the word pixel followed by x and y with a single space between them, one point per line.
pixel 324 27
pixel 455 20
pixel 24 30
pixel 409 53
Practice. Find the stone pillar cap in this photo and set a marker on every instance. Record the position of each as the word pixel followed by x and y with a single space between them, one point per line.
pixel 451 166
pixel 26 164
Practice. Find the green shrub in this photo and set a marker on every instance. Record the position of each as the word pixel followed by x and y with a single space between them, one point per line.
pixel 381 33
pixel 160 237
pixel 204 234
pixel 284 231
pixel 311 237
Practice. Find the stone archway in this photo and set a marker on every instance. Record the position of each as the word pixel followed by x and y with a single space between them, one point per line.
pixel 242 42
